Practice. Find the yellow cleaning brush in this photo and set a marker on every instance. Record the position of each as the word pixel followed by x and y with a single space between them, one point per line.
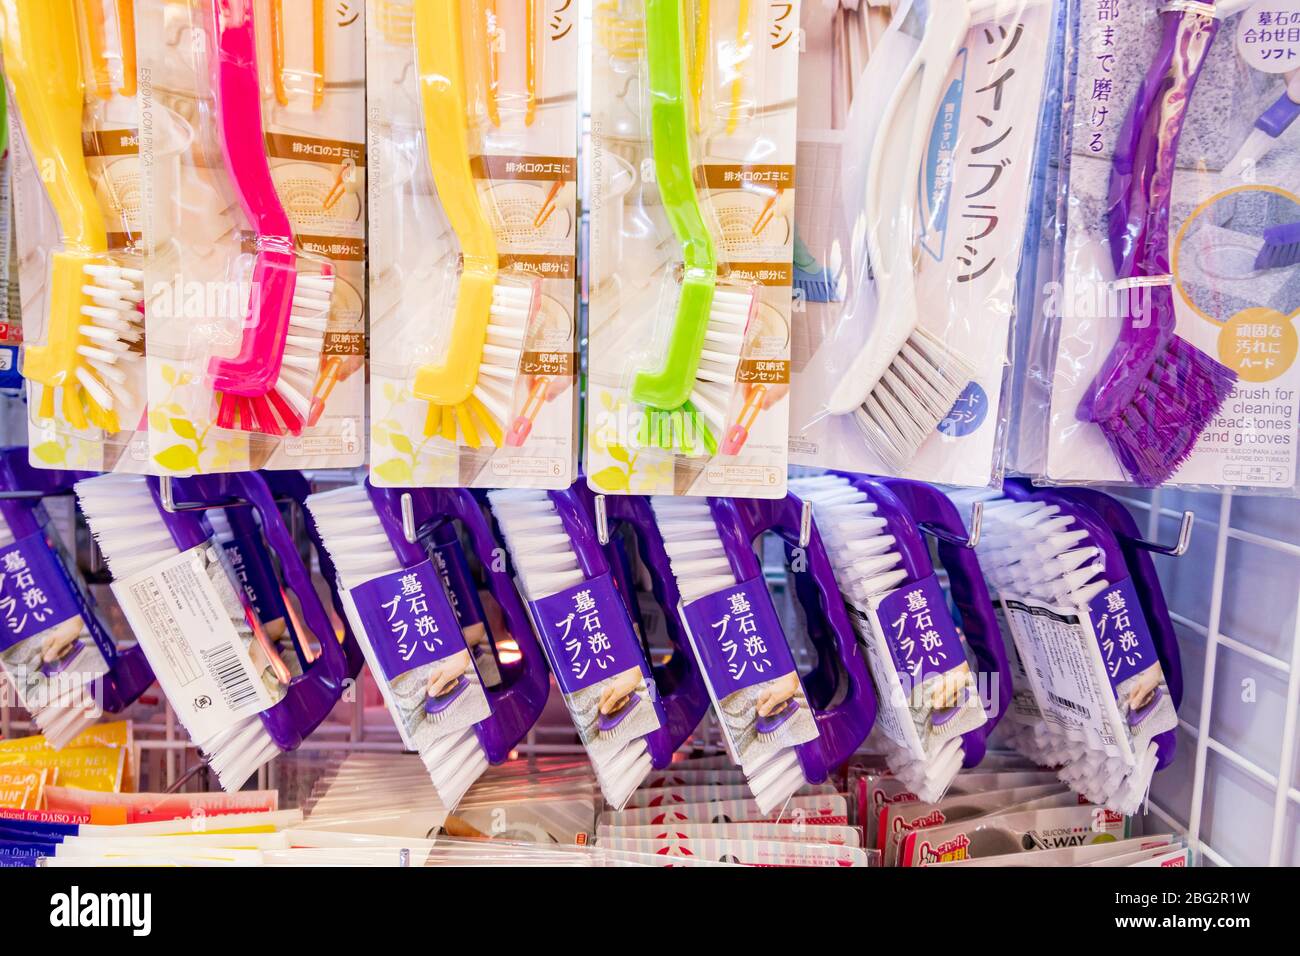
pixel 95 305
pixel 471 391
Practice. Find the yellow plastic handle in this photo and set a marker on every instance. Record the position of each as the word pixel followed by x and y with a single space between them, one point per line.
pixel 44 69
pixel 446 131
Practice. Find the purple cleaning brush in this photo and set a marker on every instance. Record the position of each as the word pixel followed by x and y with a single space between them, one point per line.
pixel 771 723
pixel 1155 392
pixel 433 706
pixel 607 723
pixel 1281 247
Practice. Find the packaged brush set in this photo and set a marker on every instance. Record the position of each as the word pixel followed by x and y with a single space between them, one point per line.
pixel 76 188
pixel 253 124
pixel 693 148
pixel 900 369
pixel 1172 346
pixel 1095 665
pixel 473 133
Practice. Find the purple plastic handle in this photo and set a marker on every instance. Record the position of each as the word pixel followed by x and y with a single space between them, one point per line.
pixel 970 594
pixel 311 696
pixel 682 692
pixel 1137 219
pixel 294 486
pixel 1079 503
pixel 843 726
pixel 517 702
pixel 1277 119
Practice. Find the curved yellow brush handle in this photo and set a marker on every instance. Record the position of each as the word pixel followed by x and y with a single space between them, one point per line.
pixel 44 69
pixel 446 128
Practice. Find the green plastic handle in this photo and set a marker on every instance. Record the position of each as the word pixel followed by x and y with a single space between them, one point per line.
pixel 670 386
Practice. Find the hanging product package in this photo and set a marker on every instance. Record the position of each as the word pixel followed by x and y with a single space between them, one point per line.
pixel 254 225
pixel 903 342
pixel 693 147
pixel 1170 338
pixel 473 129
pixel 76 187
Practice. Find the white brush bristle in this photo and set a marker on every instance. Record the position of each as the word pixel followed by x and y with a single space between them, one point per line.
pixel 724 341
pixel 914 394
pixel 124 518
pixel 353 535
pixel 114 325
pixel 308 321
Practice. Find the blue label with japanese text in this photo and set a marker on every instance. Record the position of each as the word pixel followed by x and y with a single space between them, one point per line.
pixel 35 593
pixel 587 634
pixel 252 568
pixel 738 637
pixel 1121 631
pixel 408 619
pixel 920 631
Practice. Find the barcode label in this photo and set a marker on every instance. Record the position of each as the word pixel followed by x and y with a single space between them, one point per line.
pixel 190 620
pixel 229 670
pixel 1063 702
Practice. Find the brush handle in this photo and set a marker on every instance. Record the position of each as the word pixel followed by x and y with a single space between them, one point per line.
pixel 669 386
pixel 237 99
pixel 1277 119
pixel 894 176
pixel 682 691
pixel 970 593
pixel 1137 219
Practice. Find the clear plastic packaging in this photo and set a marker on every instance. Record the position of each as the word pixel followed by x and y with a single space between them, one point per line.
pixel 903 332
pixel 473 128
pixel 253 140
pixel 76 188
pixel 1170 322
pixel 693 150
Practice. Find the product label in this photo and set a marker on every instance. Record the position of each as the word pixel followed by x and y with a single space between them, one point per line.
pixel 408 619
pixel 193 627
pixel 255 577
pixel 34 590
pixel 750 673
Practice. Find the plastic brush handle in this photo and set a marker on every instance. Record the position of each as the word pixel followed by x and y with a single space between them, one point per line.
pixel 517 702
pixel 970 593
pixel 894 181
pixel 446 134
pixel 1143 164
pixel 44 69
pixel 670 385
pixel 682 691
pixel 580 525
pixel 844 724
pixel 237 97
pixel 1277 119
pixel 126 39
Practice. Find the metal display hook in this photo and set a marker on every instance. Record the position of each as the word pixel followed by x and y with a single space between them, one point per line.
pixel 1179 548
pixel 972 538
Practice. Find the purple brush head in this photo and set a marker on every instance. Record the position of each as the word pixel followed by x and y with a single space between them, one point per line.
pixel 939 717
pixel 607 722
pixel 1155 393
pixel 771 723
pixel 1136 717
pixel 51 668
pixel 433 706
pixel 1281 247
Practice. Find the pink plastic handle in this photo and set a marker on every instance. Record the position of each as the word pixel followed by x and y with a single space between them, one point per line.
pixel 237 91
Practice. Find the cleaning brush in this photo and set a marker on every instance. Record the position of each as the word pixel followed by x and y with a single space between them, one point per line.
pixel 221 673
pixel 471 393
pixel 595 655
pixel 95 310
pixel 460 728
pixel 1270 125
pixel 882 562
pixel 687 398
pixel 1281 247
pixel 904 379
pixel 268 386
pixel 742 649
pixel 1155 392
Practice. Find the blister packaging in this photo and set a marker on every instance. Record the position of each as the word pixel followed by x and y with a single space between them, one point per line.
pixel 1176 291
pixel 903 328
pixel 473 129
pixel 253 118
pixel 693 149
pixel 76 188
